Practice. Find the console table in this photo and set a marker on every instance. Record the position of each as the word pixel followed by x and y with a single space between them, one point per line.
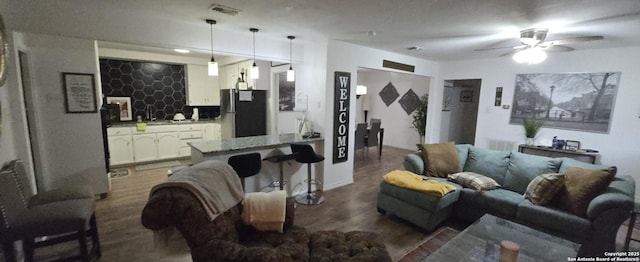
pixel 550 152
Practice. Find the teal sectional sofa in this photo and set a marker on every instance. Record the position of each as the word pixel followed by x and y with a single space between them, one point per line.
pixel 596 232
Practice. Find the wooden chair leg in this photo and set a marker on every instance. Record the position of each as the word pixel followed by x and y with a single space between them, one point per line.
pixel 9 251
pixel 27 247
pixel 95 238
pixel 82 240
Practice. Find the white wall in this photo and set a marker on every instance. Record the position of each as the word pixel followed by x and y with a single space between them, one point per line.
pixel 346 57
pixel 70 144
pixel 618 147
pixel 399 131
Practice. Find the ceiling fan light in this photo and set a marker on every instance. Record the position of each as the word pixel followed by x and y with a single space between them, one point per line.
pixel 530 55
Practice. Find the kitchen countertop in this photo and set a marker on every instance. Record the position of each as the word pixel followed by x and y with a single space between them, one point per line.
pixel 167 122
pixel 252 142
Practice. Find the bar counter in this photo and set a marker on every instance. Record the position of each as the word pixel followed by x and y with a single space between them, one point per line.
pixel 267 145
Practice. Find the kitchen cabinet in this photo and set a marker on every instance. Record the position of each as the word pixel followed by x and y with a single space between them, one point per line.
pixel 186 134
pixel 157 142
pixel 120 146
pixel 202 89
pixel 212 132
pixel 144 147
pixel 120 150
pixel 149 147
pixel 230 73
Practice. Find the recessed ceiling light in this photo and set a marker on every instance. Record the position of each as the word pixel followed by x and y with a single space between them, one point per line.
pixel 414 48
pixel 182 51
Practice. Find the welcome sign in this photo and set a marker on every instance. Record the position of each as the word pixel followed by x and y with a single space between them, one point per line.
pixel 341 116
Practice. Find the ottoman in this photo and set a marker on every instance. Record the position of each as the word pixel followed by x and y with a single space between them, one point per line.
pixel 423 210
pixel 347 246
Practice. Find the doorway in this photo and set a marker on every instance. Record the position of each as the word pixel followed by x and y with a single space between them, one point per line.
pixel 27 95
pixel 460 110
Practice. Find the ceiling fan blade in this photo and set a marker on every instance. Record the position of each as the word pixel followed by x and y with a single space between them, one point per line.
pixel 558 48
pixel 502 47
pixel 510 53
pixel 574 40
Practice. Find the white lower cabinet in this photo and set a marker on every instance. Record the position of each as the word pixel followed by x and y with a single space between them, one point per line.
pixel 157 142
pixel 120 150
pixel 149 147
pixel 212 132
pixel 144 147
pixel 168 145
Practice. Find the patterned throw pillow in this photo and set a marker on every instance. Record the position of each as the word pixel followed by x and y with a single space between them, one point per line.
pixel 473 180
pixel 544 187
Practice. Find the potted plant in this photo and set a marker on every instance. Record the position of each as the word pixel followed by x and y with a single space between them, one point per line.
pixel 420 116
pixel 531 127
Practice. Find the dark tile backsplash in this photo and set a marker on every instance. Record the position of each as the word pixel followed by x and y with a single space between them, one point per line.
pixel 150 83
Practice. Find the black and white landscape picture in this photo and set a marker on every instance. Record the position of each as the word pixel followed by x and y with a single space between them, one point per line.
pixel 579 101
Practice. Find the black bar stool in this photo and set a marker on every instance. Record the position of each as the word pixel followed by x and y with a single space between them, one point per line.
pixel 303 153
pixel 279 159
pixel 246 165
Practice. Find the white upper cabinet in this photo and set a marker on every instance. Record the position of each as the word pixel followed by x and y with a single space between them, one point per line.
pixel 202 89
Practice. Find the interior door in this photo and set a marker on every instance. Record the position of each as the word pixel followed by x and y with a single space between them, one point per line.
pixel 27 95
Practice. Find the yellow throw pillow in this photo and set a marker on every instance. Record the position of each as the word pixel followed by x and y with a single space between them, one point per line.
pixel 580 187
pixel 440 159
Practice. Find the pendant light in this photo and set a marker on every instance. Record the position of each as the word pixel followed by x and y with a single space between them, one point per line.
pixel 291 75
pixel 255 72
pixel 212 65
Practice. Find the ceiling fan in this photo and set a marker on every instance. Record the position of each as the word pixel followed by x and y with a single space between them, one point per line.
pixel 533 45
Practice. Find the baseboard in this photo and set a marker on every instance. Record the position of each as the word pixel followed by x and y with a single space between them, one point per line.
pixel 345 182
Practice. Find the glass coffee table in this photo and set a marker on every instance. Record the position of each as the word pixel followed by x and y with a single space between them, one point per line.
pixel 481 242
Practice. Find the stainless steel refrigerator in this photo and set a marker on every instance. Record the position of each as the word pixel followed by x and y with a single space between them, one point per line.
pixel 243 112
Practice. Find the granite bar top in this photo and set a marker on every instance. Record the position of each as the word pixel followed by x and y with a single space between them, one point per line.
pixel 167 122
pixel 253 142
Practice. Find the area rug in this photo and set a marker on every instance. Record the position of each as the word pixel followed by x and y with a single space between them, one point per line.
pixel 430 245
pixel 119 172
pixel 158 165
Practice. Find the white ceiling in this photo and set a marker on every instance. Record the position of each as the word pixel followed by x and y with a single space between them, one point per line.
pixel 444 29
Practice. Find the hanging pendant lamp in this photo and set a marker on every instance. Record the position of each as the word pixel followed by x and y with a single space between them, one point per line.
pixel 212 65
pixel 291 75
pixel 255 71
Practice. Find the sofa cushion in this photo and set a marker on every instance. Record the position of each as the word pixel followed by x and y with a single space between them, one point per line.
pixel 491 163
pixel 440 159
pixel 553 220
pixel 419 199
pixel 523 168
pixel 580 187
pixel 544 187
pixel 500 202
pixel 473 180
pixel 462 151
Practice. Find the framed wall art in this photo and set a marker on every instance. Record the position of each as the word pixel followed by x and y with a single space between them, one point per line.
pixel 577 101
pixel 79 93
pixel 124 106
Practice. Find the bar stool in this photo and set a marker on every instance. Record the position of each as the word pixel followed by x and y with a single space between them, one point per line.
pixel 279 159
pixel 246 165
pixel 632 223
pixel 303 153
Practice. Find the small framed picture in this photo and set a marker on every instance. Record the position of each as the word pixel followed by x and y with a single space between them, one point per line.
pixel 79 93
pixel 124 106
pixel 466 96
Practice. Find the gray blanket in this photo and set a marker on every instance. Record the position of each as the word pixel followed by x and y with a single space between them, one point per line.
pixel 214 183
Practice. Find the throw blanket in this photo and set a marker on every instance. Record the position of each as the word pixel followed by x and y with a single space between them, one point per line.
pixel 412 181
pixel 265 211
pixel 214 183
